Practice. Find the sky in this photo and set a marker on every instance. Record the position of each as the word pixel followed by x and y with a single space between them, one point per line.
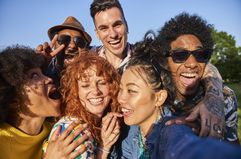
pixel 26 22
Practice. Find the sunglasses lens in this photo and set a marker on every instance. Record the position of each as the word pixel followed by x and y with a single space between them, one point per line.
pixel 180 56
pixel 80 42
pixel 202 56
pixel 64 39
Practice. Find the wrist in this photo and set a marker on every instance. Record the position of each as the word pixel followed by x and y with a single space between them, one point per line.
pixel 104 150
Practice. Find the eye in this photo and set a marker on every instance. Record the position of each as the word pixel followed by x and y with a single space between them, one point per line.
pixel 84 85
pixel 131 91
pixel 34 75
pixel 102 82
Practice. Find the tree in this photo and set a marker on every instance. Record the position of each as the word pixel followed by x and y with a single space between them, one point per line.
pixel 226 56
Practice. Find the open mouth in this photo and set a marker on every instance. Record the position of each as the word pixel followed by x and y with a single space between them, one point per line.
pixel 126 112
pixel 189 79
pixel 96 101
pixel 54 94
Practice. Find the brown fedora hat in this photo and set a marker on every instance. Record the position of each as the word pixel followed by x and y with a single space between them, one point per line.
pixel 69 23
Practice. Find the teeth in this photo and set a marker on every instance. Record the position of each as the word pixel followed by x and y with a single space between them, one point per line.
pixel 124 110
pixel 96 101
pixel 114 42
pixel 189 75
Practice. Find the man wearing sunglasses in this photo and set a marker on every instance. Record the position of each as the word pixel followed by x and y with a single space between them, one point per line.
pixel 112 29
pixel 67 40
pixel 186 44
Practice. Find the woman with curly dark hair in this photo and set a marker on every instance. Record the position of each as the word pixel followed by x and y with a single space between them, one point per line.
pixel 89 87
pixel 27 98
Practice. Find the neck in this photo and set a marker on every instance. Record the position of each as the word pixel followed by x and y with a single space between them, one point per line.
pixel 30 125
pixel 146 125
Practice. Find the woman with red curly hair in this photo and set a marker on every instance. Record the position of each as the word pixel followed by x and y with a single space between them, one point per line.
pixel 89 88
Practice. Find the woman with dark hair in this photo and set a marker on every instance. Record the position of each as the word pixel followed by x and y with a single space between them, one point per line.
pixel 146 89
pixel 27 98
pixel 89 87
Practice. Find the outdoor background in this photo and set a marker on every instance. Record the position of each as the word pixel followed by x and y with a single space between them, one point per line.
pixel 27 21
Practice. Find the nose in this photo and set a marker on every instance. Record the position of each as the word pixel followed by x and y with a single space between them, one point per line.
pixel 96 90
pixel 121 97
pixel 191 62
pixel 48 80
pixel 72 44
pixel 113 33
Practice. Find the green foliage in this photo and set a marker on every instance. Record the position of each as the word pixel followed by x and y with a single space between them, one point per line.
pixel 226 56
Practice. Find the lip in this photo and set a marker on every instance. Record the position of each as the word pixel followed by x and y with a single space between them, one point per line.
pixel 115 44
pixel 52 90
pixel 126 111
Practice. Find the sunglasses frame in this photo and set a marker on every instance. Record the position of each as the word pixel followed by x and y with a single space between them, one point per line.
pixel 195 53
pixel 66 39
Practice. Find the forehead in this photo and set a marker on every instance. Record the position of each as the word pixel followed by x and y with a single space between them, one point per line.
pixel 89 73
pixel 134 75
pixel 186 41
pixel 108 16
pixel 70 32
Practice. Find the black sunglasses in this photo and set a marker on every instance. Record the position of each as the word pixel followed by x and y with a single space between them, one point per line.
pixel 201 55
pixel 78 40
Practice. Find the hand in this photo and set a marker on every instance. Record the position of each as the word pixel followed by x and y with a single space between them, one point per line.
pixel 65 146
pixel 46 49
pixel 110 130
pixel 212 119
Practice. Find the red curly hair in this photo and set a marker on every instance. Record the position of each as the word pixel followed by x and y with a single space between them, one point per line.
pixel 69 89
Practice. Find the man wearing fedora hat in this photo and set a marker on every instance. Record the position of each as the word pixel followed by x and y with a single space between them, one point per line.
pixel 67 40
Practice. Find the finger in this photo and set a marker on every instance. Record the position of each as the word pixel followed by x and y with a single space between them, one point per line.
pixel 111 125
pixel 106 121
pixel 46 46
pixel 82 148
pixel 39 48
pixel 53 41
pixel 119 115
pixel 76 134
pixel 205 126
pixel 75 143
pixel 55 134
pixel 57 51
pixel 67 131
pixel 193 115
pixel 216 128
pixel 179 120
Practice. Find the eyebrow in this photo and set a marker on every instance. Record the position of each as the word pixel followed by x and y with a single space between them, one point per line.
pixel 132 84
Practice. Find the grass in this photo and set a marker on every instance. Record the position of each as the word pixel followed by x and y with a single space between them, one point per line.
pixel 237 89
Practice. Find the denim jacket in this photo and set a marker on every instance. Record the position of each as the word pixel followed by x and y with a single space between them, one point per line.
pixel 176 142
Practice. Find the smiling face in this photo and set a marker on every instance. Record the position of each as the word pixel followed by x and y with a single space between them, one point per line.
pixel 94 92
pixel 72 49
pixel 186 75
pixel 140 104
pixel 111 30
pixel 40 94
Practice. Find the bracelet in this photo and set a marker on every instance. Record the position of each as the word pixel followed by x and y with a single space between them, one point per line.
pixel 103 150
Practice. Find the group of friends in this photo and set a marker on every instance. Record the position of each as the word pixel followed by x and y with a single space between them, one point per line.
pixel 160 98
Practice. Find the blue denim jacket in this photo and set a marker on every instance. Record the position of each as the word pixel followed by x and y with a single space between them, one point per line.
pixel 177 142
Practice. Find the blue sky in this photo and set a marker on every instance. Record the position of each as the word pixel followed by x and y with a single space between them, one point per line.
pixel 26 21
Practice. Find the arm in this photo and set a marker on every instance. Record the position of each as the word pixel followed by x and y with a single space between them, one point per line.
pixel 211 108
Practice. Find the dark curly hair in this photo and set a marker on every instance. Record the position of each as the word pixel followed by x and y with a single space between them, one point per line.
pixel 15 62
pixel 184 24
pixel 72 105
pixel 146 59
pixel 102 5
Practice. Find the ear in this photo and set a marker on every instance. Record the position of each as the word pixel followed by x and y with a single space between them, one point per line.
pixel 161 97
